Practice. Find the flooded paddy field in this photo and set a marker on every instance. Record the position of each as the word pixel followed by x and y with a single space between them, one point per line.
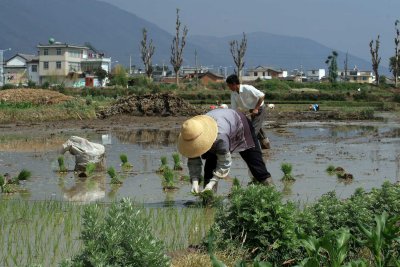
pixel 369 150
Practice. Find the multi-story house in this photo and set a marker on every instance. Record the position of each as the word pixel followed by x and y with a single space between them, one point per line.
pixel 357 76
pixel 68 64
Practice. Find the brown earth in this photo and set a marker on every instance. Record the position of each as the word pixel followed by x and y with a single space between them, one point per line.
pixel 34 96
pixel 161 109
pixel 161 104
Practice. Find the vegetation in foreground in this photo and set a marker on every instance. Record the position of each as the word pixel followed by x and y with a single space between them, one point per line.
pixel 254 226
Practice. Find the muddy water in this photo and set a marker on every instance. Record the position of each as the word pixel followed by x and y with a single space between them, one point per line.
pixel 368 150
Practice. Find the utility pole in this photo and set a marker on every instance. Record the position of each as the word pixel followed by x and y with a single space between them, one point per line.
pixel 196 71
pixel 130 64
pixel 2 65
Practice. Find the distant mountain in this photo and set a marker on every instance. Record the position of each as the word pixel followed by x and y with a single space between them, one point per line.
pixel 26 23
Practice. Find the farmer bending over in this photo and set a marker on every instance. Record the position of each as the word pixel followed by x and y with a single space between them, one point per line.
pixel 213 137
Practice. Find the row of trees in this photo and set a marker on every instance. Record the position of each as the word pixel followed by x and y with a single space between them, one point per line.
pixel 394 62
pixel 238 50
pixel 147 49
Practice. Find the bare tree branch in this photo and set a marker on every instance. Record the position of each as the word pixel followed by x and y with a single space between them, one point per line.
pixel 178 43
pixel 147 51
pixel 238 53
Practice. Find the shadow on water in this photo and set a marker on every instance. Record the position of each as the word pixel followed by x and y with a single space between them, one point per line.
pixel 369 152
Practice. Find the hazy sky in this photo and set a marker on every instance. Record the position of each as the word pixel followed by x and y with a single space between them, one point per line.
pixel 344 25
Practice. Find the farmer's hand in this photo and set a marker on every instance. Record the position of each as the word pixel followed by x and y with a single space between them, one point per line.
pixel 195 187
pixel 211 184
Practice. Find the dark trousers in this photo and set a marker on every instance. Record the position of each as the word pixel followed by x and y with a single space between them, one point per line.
pixel 252 157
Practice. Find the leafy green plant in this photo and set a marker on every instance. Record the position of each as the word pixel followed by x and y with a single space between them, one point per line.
pixel 258 221
pixel 113 175
pixel 383 240
pixel 177 162
pixel 121 237
pixel 163 165
pixel 124 160
pixel 286 168
pixel 61 165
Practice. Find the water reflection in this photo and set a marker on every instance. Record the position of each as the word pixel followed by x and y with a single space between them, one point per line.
pixel 148 137
pixel 85 189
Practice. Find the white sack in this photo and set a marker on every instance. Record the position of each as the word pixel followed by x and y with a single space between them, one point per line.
pixel 84 152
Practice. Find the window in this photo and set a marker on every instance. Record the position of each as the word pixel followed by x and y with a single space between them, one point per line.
pixel 255 73
pixel 58 64
pixel 45 51
pixel 58 51
pixel 46 65
pixel 263 73
pixel 34 68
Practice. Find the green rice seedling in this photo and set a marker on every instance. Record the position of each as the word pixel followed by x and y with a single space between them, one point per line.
pixel 61 165
pixel 2 182
pixel 177 162
pixel 286 168
pixel 24 175
pixel 90 168
pixel 124 159
pixel 163 164
pixel 330 170
pixel 114 177
pixel 168 182
pixel 185 178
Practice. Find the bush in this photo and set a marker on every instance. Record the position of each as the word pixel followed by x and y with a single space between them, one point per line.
pixel 258 221
pixel 120 238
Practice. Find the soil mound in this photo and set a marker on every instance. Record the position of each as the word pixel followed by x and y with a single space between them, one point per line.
pixel 34 96
pixel 161 104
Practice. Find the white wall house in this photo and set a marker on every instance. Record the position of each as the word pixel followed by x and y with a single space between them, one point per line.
pixel 315 75
pixel 20 68
pixel 264 73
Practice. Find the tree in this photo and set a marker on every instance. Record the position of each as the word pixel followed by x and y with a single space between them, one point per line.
pixel 332 67
pixel 375 58
pixel 147 51
pixel 178 43
pixel 394 66
pixel 101 74
pixel 346 66
pixel 119 76
pixel 238 53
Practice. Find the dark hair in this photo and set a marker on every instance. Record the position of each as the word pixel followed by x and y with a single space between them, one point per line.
pixel 232 79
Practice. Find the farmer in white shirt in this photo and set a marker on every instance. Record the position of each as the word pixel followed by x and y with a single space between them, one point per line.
pixel 213 137
pixel 246 97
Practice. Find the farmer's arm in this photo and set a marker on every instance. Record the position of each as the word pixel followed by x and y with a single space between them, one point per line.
pixel 195 168
pixel 224 162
